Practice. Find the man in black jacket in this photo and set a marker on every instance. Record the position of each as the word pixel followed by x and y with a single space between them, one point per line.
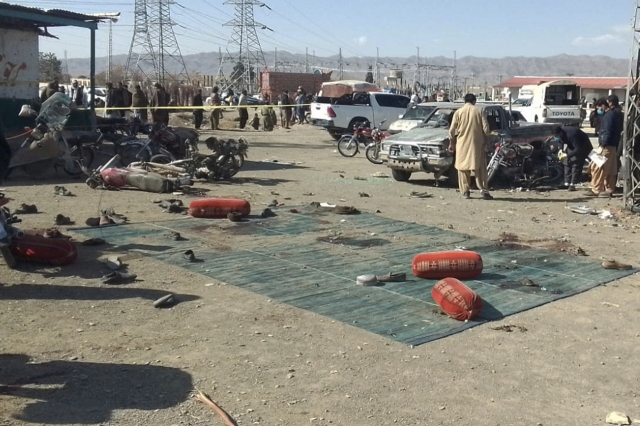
pixel 603 179
pixel 577 147
pixel 198 112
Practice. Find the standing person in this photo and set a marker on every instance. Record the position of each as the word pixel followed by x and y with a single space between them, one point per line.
pixel 140 103
pixel 603 179
pixel 47 92
pixel 596 115
pixel 158 101
pixel 286 102
pixel 577 147
pixel 198 113
pixel 215 102
pixel 119 100
pixel 109 100
pixel 128 99
pixel 468 135
pixel 77 94
pixel 242 109
pixel 614 104
pixel 300 101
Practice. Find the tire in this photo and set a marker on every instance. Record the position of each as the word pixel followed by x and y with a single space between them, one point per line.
pixel 373 154
pixel 237 163
pixel 354 121
pixel 491 171
pixel 82 157
pixel 348 146
pixel 128 153
pixel 9 260
pixel 160 159
pixel 556 174
pixel 400 175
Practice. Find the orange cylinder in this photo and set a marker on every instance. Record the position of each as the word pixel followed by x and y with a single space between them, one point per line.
pixel 443 264
pixel 456 299
pixel 219 207
pixel 52 251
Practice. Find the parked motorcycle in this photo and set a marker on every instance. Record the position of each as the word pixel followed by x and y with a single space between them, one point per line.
pixel 348 145
pixel 373 149
pixel 8 233
pixel 163 145
pixel 47 144
pixel 525 164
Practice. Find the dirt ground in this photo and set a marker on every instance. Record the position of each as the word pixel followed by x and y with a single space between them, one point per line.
pixel 75 351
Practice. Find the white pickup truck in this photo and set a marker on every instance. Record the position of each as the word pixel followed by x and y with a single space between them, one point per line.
pixel 550 102
pixel 339 115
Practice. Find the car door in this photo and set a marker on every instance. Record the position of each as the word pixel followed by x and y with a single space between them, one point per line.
pixel 389 108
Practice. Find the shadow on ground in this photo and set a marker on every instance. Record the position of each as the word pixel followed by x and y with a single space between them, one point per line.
pixel 73 392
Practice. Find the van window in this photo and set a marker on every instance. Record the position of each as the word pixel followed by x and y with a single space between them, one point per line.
pixel 393 101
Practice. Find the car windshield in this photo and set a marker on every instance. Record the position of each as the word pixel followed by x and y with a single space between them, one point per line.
pixel 417 112
pixel 441 118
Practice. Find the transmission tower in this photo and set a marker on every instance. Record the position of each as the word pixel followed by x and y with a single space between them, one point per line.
pixel 154 47
pixel 631 133
pixel 243 49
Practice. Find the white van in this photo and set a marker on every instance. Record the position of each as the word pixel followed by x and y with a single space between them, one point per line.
pixel 550 102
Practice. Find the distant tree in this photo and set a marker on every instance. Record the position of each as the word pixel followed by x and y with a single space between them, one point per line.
pixel 50 67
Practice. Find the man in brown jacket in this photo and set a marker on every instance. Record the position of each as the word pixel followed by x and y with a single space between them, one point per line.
pixel 140 103
pixel 159 99
pixel 468 135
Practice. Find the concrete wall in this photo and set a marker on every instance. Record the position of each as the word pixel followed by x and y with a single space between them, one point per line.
pixel 274 83
pixel 19 69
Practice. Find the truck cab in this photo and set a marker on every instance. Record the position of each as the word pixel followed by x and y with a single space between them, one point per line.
pixel 550 102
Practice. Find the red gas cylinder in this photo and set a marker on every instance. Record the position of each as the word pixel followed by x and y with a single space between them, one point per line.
pixel 218 207
pixel 456 299
pixel 52 251
pixel 443 264
pixel 115 177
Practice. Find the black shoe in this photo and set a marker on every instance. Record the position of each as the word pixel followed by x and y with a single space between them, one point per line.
pixel 466 195
pixel 487 196
pixel 571 188
pixel 189 256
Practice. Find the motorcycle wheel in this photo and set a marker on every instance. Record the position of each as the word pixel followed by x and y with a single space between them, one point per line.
pixel 348 146
pixel 160 159
pixel 373 154
pixel 79 157
pixel 131 153
pixel 555 174
pixel 9 260
pixel 491 170
pixel 235 164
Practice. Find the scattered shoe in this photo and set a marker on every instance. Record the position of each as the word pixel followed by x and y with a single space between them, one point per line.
pixel 234 217
pixel 93 221
pixel 116 277
pixel 267 213
pixel 114 263
pixel 93 242
pixel 274 203
pixel 364 195
pixel 105 220
pixel 26 209
pixel 466 195
pixel 614 264
pixel 165 301
pixel 61 190
pixel 367 280
pixel 62 220
pixel 415 194
pixel 175 236
pixel 571 188
pixel 189 256
pixel 345 210
pixel 118 219
pixel 174 208
pixel 53 233
pixel 392 277
pixel 487 196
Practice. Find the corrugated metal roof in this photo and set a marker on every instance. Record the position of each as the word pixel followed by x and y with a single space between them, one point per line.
pixel 605 83
pixel 12 13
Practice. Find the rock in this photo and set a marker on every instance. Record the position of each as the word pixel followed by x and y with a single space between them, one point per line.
pixel 617 418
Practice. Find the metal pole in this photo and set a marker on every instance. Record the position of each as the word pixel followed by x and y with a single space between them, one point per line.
pixel 92 79
pixel 306 60
pixel 109 54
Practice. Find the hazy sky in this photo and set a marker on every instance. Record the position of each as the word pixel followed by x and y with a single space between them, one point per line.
pixel 489 28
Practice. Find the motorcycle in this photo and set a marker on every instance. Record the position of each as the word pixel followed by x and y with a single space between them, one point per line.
pixel 163 145
pixel 372 152
pixel 348 145
pixel 525 164
pixel 47 143
pixel 8 233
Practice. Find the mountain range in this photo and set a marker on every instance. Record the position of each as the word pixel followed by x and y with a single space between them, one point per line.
pixel 481 70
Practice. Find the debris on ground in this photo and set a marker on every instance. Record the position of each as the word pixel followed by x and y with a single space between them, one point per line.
pixel 116 277
pixel 206 400
pixel 380 175
pixel 364 195
pixel 93 242
pixel 62 220
pixel 617 418
pixel 113 262
pixel 582 210
pixel 165 301
pixel 52 233
pixel 267 213
pixel 614 264
pixel 61 190
pixel 345 210
pixel 26 209
pixel 510 328
pixel 175 236
pixel 416 194
pixel 527 282
pixel 234 216
pixel 359 178
pixel 606 214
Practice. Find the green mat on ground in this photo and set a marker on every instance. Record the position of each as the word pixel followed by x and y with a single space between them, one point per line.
pixel 311 259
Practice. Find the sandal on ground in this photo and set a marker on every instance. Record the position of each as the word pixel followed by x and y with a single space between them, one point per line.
pixel 392 277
